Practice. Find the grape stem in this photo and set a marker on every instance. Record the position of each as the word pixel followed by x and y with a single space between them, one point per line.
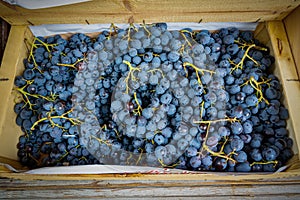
pixel 112 30
pixel 67 153
pixel 34 45
pixel 184 36
pixel 156 70
pixel 167 166
pixel 202 109
pixel 246 54
pixel 221 153
pixel 71 65
pixel 74 121
pixel 130 74
pixel 198 70
pixel 275 162
pixel 104 127
pixel 101 141
pixel 217 120
pixel 145 28
pixel 26 95
pixel 138 110
pixel 182 49
pixel 257 86
pixel 128 159
pixel 131 27
pixel 140 156
pixel 117 132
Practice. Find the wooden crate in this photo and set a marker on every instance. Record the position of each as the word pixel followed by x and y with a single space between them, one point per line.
pixel 277 30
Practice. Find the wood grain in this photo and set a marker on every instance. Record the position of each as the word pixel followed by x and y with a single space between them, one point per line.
pixel 120 11
pixel 12 65
pixel 8 68
pixel 157 189
pixel 292 27
pixel 288 73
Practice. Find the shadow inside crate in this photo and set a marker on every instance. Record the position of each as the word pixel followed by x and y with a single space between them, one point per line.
pixel 4 29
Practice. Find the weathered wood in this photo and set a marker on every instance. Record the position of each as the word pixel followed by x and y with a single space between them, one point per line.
pixel 148 189
pixel 293 31
pixel 287 70
pixel 12 65
pixel 99 11
pixel 8 68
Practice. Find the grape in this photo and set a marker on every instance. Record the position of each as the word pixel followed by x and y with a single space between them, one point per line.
pixel 173 56
pixel 156 62
pixel 159 139
pixel 223 131
pixel 160 152
pixel 271 93
pixel 153 80
pixel 147 113
pixel 232 49
pixel 237 112
pixel 273 109
pixel 166 98
pixel 237 144
pixel 234 89
pixel 255 142
pixel 220 164
pixel 243 167
pixel 251 100
pixel 247 127
pixel 269 154
pixel 280 132
pixel 236 128
pixel 212 140
pixel 191 151
pixel 240 156
pixel 195 162
pixel 148 56
pixel 149 148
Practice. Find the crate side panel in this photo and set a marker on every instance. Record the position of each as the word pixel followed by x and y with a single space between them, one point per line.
pixel 11 66
pixel 261 33
pixel 288 73
pixel 99 11
pixel 149 190
pixel 291 23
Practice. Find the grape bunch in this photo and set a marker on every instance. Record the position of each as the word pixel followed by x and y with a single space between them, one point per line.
pixel 145 102
pixel 145 95
pixel 45 107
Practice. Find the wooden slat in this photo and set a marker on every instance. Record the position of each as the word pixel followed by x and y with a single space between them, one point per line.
pixel 11 65
pixel 156 189
pixel 261 33
pixel 288 73
pixel 291 23
pixel 106 11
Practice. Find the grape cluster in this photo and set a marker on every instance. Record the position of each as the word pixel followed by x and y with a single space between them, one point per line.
pixel 149 96
pixel 45 110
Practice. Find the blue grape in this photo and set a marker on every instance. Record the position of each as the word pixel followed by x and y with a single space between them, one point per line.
pixel 195 162
pixel 243 167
